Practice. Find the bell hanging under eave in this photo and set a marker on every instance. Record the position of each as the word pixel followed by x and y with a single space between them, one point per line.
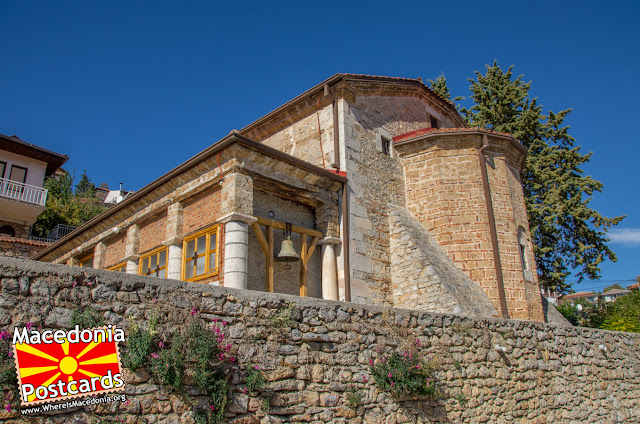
pixel 287 252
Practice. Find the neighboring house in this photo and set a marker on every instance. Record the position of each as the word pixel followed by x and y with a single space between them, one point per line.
pixel 23 169
pixel 613 294
pixel 572 298
pixel 111 197
pixel 391 198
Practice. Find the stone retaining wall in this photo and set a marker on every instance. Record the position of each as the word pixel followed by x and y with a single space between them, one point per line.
pixel 318 351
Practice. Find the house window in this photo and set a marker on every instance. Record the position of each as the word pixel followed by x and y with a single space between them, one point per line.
pixel 434 122
pixel 18 174
pixel 200 255
pixel 386 146
pixel 3 167
pixel 118 268
pixel 154 263
pixel 87 261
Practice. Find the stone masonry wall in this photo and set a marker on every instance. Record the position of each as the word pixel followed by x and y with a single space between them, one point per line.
pixel 424 277
pixel 375 181
pixel 317 353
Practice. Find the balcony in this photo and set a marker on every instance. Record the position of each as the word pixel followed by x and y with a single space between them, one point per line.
pixel 23 192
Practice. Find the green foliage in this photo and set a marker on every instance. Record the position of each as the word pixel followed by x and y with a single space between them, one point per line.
pixel 570 312
pixel 85 188
pixel 439 85
pixel 8 376
pixel 66 207
pixel 567 234
pixel 406 374
pixel 202 352
pixel 86 317
pixel 354 398
pixel 254 379
pixel 284 318
pixel 140 345
pixel 623 314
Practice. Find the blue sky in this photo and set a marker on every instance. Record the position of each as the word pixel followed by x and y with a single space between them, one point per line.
pixel 131 89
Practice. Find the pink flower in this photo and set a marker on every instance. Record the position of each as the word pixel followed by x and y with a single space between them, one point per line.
pixel 28 325
pixel 215 320
pixel 155 355
pixel 371 361
pixel 233 359
pixel 75 283
pixel 418 342
pixel 155 300
pixel 365 379
pixel 389 375
pixel 213 408
pixel 244 391
pixel 392 383
pixel 255 367
pixel 194 311
pixel 161 345
pixel 8 407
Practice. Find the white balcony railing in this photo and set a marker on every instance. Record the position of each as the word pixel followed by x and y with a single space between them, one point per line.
pixel 23 192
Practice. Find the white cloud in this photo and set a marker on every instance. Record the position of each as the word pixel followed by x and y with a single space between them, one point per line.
pixel 628 236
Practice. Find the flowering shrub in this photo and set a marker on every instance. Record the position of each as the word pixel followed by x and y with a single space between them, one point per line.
pixel 203 352
pixel 405 374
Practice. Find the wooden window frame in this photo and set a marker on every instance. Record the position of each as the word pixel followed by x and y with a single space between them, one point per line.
pixel 118 267
pixel 85 259
pixel 153 253
pixel 209 271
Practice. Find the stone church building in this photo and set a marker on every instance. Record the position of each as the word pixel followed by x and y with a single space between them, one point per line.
pixel 390 197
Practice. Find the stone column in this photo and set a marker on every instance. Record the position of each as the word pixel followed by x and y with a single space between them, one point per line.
pixel 173 241
pixel 131 249
pixel 99 256
pixel 329 268
pixel 73 262
pixel 236 249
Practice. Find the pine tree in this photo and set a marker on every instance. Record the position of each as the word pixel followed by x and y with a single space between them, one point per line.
pixel 568 236
pixel 85 188
pixel 439 85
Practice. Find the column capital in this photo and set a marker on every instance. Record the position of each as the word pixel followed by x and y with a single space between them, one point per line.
pixel 236 216
pixel 330 240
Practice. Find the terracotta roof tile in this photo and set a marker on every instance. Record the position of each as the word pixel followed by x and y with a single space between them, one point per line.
pixel 413 134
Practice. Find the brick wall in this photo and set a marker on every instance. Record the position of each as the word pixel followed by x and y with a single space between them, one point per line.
pixel 115 251
pixel 152 232
pixel 444 191
pixel 201 211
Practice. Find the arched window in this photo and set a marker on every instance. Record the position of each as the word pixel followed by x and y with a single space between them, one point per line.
pixel 8 231
pixel 523 245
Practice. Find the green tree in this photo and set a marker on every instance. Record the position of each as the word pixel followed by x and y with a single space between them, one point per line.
pixel 64 206
pixel 623 314
pixel 568 236
pixel 439 85
pixel 85 188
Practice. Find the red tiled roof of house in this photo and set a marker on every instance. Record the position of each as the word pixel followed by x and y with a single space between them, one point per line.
pixel 416 133
pixel 634 286
pixel 579 294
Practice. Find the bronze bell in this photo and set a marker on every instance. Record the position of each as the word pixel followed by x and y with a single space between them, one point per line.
pixel 287 251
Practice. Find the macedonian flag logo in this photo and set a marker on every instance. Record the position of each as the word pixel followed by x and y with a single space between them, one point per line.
pixel 56 365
